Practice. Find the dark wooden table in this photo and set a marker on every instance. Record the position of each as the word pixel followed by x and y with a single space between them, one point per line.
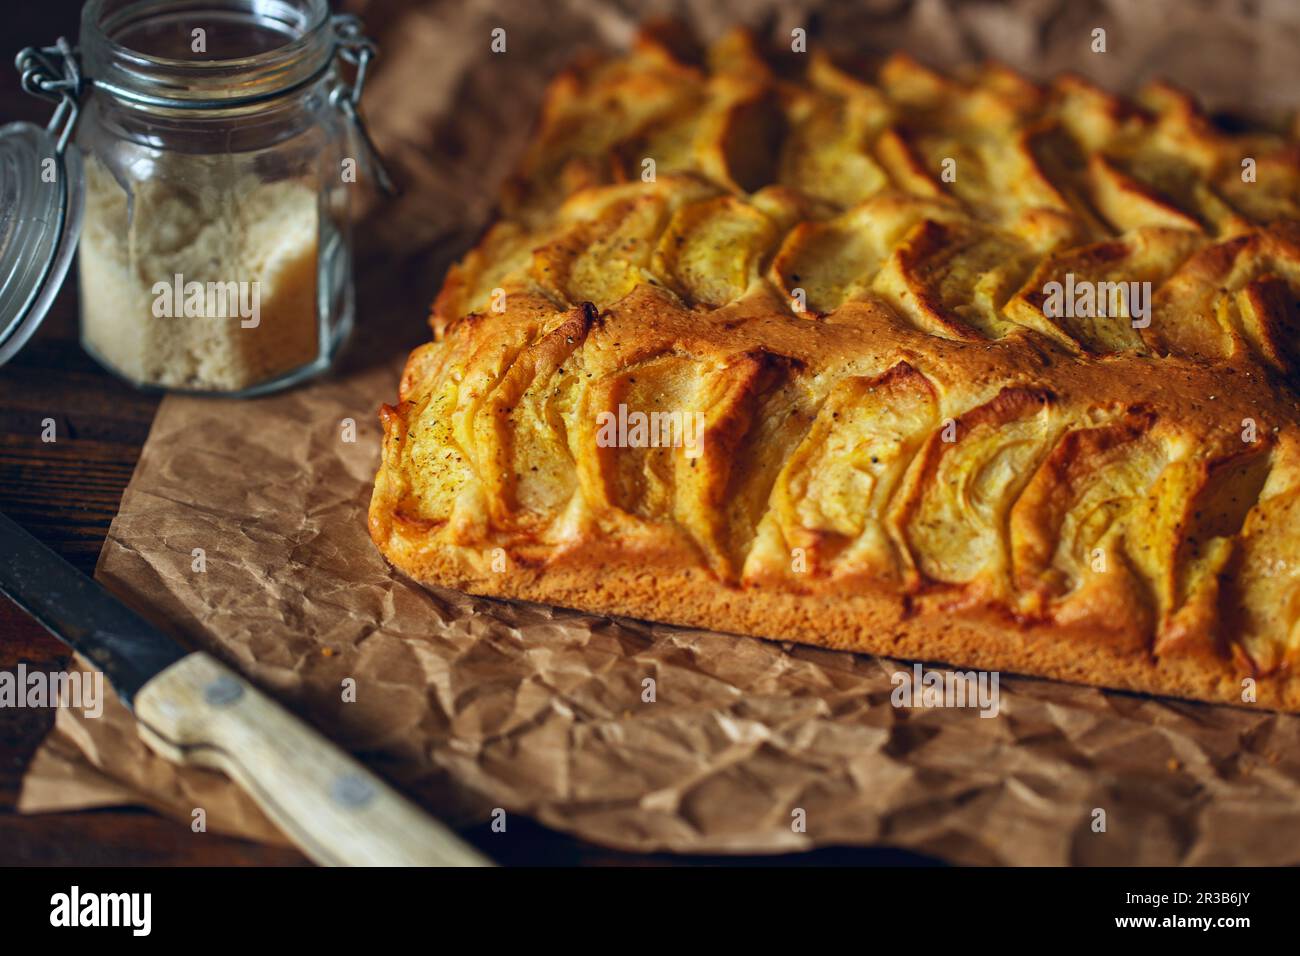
pixel 66 493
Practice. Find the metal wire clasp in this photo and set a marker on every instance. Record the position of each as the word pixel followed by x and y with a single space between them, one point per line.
pixel 54 73
pixel 356 49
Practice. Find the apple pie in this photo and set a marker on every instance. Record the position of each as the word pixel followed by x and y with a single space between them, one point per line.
pixel 955 368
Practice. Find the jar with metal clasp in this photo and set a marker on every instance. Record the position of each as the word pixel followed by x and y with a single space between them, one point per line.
pixel 201 159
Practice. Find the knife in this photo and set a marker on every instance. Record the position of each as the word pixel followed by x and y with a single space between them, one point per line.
pixel 192 709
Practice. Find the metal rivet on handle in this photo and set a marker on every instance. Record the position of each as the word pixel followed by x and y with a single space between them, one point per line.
pixel 353 791
pixel 223 691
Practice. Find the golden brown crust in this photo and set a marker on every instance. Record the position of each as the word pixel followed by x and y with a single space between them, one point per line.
pixel 789 359
pixel 604 581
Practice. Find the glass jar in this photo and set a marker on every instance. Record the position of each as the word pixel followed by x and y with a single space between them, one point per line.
pixel 218 160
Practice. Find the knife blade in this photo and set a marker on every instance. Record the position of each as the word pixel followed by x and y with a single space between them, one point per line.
pixel 82 614
pixel 192 709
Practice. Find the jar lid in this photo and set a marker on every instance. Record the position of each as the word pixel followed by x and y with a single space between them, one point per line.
pixel 41 202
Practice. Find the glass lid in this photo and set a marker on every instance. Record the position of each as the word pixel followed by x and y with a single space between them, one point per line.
pixel 40 217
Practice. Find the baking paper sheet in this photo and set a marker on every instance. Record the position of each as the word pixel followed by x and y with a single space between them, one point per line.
pixel 749 746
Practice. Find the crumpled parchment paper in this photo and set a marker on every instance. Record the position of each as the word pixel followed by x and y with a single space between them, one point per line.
pixel 470 704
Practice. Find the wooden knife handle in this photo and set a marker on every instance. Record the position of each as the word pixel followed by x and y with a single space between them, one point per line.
pixel 199 711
